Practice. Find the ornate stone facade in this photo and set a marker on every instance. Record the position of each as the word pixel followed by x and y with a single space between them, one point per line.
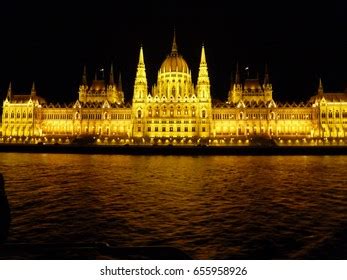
pixel 174 111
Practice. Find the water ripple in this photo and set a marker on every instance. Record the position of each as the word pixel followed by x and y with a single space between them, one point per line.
pixel 213 207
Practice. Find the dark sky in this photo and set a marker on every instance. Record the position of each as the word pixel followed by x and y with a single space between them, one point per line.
pixel 50 42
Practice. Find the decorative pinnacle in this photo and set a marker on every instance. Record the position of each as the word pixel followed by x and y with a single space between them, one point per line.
pixel 111 80
pixel 141 60
pixel 120 87
pixel 320 87
pixel 266 76
pixel 33 90
pixel 9 91
pixel 237 75
pixel 203 57
pixel 84 76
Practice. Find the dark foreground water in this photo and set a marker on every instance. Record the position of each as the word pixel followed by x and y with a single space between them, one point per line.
pixel 211 207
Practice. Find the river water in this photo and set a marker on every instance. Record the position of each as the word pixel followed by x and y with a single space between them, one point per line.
pixel 211 207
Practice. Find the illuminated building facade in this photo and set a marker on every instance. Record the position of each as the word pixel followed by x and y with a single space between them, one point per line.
pixel 173 111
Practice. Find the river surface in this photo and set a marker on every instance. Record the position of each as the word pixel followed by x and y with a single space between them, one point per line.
pixel 211 207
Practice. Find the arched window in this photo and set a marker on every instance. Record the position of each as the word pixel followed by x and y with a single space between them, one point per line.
pixel 24 115
pixel 18 115
pixel 241 116
pixel 139 113
pixel 337 114
pixel 204 114
pixel 30 115
pixel 6 114
pixel 323 115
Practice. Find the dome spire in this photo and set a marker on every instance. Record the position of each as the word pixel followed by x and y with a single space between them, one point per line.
pixel 174 45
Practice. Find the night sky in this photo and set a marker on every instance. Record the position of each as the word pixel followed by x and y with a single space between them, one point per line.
pixel 50 42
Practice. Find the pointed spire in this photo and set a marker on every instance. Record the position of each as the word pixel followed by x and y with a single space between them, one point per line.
pixel 320 87
pixel 203 57
pixel 266 75
pixel 111 80
pixel 174 45
pixel 140 87
pixel 120 86
pixel 84 76
pixel 9 91
pixel 33 90
pixel 237 75
pixel 141 60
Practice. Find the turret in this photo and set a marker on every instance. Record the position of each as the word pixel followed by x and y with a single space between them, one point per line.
pixel 82 92
pixel 267 87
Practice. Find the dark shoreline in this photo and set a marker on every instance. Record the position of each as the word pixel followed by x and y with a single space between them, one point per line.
pixel 175 150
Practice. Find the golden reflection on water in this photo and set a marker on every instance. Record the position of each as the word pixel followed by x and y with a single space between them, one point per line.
pixel 209 206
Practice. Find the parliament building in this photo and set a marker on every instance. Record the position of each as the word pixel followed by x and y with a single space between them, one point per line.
pixel 174 111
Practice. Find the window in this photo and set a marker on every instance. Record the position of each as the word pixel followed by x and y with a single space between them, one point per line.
pixel 337 115
pixel 163 129
pixel 18 115
pixel 6 115
pixel 204 114
pixel 178 129
pixel 323 115
pixel 186 129
pixel 193 129
pixel 139 113
pixel 203 129
pixel 149 129
pixel 156 129
pixel 330 114
pixel 171 129
pixel 31 115
pixel 139 128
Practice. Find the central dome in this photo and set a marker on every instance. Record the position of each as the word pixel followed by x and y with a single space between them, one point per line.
pixel 174 62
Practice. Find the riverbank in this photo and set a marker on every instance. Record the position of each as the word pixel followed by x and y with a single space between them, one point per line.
pixel 175 150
